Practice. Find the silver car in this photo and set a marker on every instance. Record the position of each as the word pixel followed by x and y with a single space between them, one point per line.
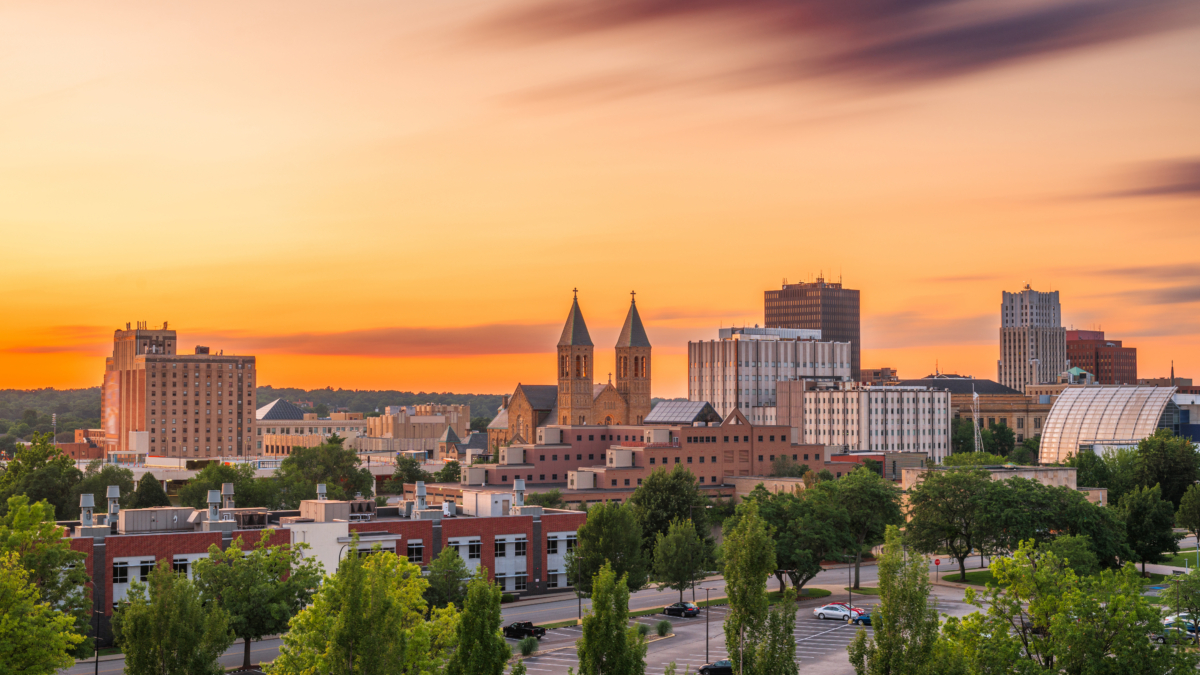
pixel 838 611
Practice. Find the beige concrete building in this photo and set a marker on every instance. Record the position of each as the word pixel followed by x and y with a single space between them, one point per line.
pixel 156 401
pixel 427 421
pixel 998 404
pixel 282 426
pixel 1033 342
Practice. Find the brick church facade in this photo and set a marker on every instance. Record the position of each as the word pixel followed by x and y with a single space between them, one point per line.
pixel 577 399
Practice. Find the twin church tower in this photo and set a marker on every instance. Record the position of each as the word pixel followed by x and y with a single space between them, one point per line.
pixel 580 399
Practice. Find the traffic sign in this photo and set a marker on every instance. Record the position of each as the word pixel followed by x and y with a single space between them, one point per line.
pixel 937 561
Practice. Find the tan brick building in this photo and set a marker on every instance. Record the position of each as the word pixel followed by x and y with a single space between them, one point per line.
pixel 158 402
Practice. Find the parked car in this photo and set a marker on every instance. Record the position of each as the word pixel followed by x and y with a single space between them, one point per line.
pixel 863 619
pixel 837 610
pixel 682 609
pixel 860 610
pixel 523 629
pixel 722 667
pixel 1175 632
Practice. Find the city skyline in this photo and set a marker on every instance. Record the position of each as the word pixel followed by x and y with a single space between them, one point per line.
pixel 406 201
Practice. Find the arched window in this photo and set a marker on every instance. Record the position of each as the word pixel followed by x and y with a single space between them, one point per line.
pixel 635 365
pixel 578 366
pixel 608 420
pixel 582 420
pixel 586 373
pixel 643 360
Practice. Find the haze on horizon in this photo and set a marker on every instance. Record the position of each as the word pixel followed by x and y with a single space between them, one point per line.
pixel 402 196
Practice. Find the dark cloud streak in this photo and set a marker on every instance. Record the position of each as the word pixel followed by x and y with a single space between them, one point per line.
pixel 1168 179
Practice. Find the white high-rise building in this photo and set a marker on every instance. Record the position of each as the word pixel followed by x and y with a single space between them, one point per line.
pixel 1033 342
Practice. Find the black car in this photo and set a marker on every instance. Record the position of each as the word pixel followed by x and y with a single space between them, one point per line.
pixel 523 629
pixel 722 667
pixel 682 609
pixel 860 619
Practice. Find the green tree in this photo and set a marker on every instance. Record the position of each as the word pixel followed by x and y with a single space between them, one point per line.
pixel 784 466
pixel 973 459
pixel 872 503
pixel 608 645
pixel 41 472
pixel 551 499
pixel 338 468
pixel 260 589
pixel 1076 552
pixel 448 576
pixel 1184 593
pixel 1090 470
pixel 1168 461
pixel 35 639
pixel 824 475
pixel 166 627
pixel 1149 525
pixel 96 478
pixel 906 627
pixel 775 650
pixel 1004 439
pixel 1074 515
pixel 150 493
pixel 408 470
pixel 947 511
pixel 664 497
pixel 962 436
pixel 611 534
pixel 449 473
pixel 369 618
pixel 481 646
pixel 480 423
pixel 749 559
pixel 321 410
pixel 248 491
pixel 1042 617
pixel 1027 451
pixel 679 557
pixel 28 531
pixel 1188 514
pixel 873 466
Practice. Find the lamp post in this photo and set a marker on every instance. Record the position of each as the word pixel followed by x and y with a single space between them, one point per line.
pixel 96 621
pixel 707 611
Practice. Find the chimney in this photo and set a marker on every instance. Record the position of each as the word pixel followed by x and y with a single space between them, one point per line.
pixel 114 507
pixel 227 495
pixel 519 492
pixel 320 492
pixel 420 495
pixel 214 501
pixel 86 504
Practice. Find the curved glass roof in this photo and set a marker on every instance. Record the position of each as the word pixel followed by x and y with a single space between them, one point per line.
pixel 1101 414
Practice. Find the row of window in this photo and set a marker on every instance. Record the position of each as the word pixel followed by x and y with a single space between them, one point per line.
pixel 736 439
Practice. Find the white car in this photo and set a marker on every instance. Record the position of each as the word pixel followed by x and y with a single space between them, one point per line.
pixel 837 610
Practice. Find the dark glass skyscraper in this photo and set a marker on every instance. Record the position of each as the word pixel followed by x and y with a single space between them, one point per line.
pixel 821 305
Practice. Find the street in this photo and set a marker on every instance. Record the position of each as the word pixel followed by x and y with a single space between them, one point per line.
pixel 820 645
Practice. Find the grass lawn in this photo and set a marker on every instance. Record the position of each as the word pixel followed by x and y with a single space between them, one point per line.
pixel 976 578
pixel 863 591
pixel 1188 557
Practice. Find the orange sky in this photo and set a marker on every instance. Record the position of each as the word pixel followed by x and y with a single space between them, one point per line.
pixel 402 195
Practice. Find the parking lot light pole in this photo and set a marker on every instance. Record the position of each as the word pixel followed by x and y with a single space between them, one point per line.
pixel 707 611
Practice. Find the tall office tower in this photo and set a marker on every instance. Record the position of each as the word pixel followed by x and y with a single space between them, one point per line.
pixel 822 306
pixel 158 402
pixel 1033 342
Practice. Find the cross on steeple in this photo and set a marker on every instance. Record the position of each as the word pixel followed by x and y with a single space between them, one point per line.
pixel 633 296
pixel 576 292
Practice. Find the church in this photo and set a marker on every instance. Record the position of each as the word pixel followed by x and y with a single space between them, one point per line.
pixel 577 400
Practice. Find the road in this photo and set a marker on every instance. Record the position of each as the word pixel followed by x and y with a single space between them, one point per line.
pixel 819 644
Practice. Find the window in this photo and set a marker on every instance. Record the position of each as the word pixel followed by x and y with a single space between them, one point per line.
pixel 701 459
pixel 519 582
pixel 727 439
pixel 714 460
pixel 591 457
pixel 689 460
pixel 701 479
pixel 639 481
pixel 760 458
pixel 591 437
pixel 676 460
pixel 714 479
pixel 541 476
pixel 579 437
pixel 772 439
pixel 179 566
pixel 626 481
pixel 541 458
pixel 806 458
pixel 760 439
pixel 578 457
pixel 554 458
pixel 416 552
pixel 553 476
pixel 614 482
pixel 120 573
pixel 551 581
pixel 501 549
pixel 503 478
pixel 475 549
pixel 652 460
pixel 551 546
pixel 772 458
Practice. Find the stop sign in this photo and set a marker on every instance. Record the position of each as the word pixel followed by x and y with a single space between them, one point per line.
pixel 937 561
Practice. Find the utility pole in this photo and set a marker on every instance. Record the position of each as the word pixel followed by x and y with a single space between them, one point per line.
pixel 707 612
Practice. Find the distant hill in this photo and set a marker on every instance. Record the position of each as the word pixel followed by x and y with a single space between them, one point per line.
pixel 24 411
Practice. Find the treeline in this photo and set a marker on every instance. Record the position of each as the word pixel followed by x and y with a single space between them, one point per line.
pixel 24 413
pixel 370 400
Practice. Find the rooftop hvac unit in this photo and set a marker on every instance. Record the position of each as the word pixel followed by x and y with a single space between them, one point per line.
pixel 359 517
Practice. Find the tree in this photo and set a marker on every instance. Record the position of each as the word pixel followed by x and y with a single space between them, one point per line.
pixel 784 466
pixel 775 652
pixel 1149 525
pixel 150 493
pixel 872 503
pixel 1042 617
pixel 973 459
pixel 480 423
pixel 1004 439
pixel 408 470
pixel 679 556
pixel 248 490
pixel 1090 470
pixel 28 531
pixel 1188 514
pixel 824 475
pixel 608 645
pixel 873 466
pixel 449 473
pixel 1184 594
pixel 35 639
pixel 448 576
pixel 947 511
pixel 96 478
pixel 1076 552
pixel 551 499
pixel 1074 515
pixel 611 534
pixel 962 436
pixel 749 560
pixel 481 645
pixel 1168 461
pixel 664 497
pixel 906 626
pixel 1027 451
pixel 321 410
pixel 41 472
pixel 338 468
pixel 166 627
pixel 262 589
pixel 369 617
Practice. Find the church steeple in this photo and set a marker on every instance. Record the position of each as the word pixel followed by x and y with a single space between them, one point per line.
pixel 633 364
pixel 575 367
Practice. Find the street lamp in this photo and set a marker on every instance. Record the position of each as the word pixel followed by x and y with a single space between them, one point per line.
pixel 96 620
pixel 707 611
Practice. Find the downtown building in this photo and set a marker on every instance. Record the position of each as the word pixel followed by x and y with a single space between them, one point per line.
pixel 1107 360
pixel 158 402
pixel 820 305
pixel 1033 342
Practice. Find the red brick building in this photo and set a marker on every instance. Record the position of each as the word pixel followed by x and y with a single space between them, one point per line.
pixel 1107 360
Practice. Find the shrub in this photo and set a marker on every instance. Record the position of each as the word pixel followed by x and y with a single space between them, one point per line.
pixel 663 627
pixel 643 630
pixel 507 597
pixel 527 645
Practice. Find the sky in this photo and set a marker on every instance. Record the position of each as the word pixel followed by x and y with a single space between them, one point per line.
pixel 402 195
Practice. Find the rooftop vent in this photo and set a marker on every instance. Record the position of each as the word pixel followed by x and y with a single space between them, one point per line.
pixel 114 496
pixel 214 502
pixel 86 504
pixel 420 495
pixel 321 492
pixel 227 495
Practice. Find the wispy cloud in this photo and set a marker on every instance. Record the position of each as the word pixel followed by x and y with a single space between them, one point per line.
pixel 889 41
pixel 913 329
pixel 1179 178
